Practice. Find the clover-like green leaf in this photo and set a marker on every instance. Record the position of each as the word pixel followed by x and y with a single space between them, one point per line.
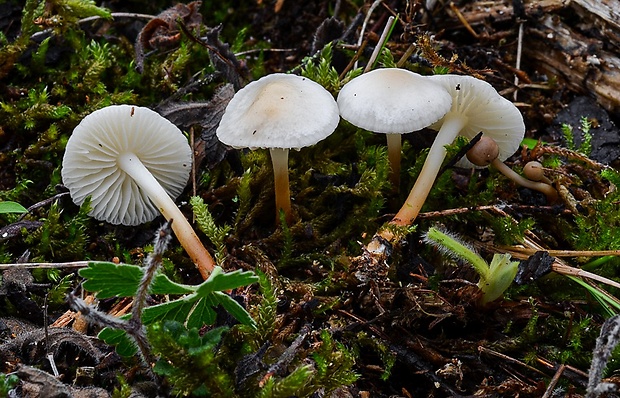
pixel 122 280
pixel 110 280
pixel 12 207
pixel 219 281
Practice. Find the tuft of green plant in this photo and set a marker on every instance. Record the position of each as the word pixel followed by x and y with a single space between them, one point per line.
pixel 10 52
pixel 290 386
pixel 586 145
pixel 58 293
pixel 206 223
pixel 599 227
pixel 61 237
pixel 386 58
pixel 385 354
pixel 507 230
pixel 7 383
pixel 124 390
pixel 327 368
pixel 265 312
pixel 319 68
pixel 244 196
pixel 333 366
pixel 495 278
pixel 288 241
pixel 32 110
pixel 189 359
pixel 67 12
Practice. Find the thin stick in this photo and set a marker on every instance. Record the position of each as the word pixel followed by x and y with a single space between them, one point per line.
pixel 384 36
pixel 484 350
pixel 461 18
pixel 191 143
pixel 265 50
pixel 74 264
pixel 353 60
pixel 528 251
pixel 406 55
pixel 96 17
pixel 374 5
pixel 463 210
pixel 554 381
pixel 518 62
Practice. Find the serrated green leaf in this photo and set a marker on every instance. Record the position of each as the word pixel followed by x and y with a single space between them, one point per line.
pixel 163 285
pixel 219 281
pixel 125 346
pixel 176 310
pixel 122 280
pixel 12 207
pixel 235 309
pixel 202 314
pixel 110 280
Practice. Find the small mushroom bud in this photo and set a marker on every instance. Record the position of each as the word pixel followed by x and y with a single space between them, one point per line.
pixel 483 150
pixel 486 152
pixel 535 172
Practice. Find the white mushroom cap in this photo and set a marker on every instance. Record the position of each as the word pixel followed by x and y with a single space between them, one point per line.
pixel 393 101
pixel 279 111
pixel 484 110
pixel 90 165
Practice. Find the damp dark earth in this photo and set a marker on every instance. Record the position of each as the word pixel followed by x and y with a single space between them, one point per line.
pixel 309 199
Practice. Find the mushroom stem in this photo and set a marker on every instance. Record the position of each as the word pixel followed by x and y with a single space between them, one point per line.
pixel 548 190
pixel 279 159
pixel 394 148
pixel 131 164
pixel 449 130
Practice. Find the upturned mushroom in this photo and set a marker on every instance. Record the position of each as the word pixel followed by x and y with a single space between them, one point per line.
pixel 279 112
pixel 476 106
pixel 485 153
pixel 394 102
pixel 132 163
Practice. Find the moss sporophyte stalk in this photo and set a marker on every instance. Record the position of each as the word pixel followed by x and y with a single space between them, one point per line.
pixel 494 278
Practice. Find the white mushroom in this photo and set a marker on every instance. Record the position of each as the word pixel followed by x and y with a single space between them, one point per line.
pixel 132 162
pixel 279 112
pixel 476 107
pixel 394 102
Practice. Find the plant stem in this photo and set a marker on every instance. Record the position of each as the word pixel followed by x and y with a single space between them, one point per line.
pixel 457 248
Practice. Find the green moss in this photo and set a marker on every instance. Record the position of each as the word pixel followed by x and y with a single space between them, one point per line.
pixel 61 237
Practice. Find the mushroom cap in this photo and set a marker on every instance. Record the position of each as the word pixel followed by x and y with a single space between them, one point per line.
pixel 279 111
pixel 393 100
pixel 484 152
pixel 485 110
pixel 89 166
pixel 534 171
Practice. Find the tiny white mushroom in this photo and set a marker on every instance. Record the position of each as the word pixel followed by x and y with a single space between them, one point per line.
pixel 485 153
pixel 394 102
pixel 133 163
pixel 536 172
pixel 279 112
pixel 476 107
